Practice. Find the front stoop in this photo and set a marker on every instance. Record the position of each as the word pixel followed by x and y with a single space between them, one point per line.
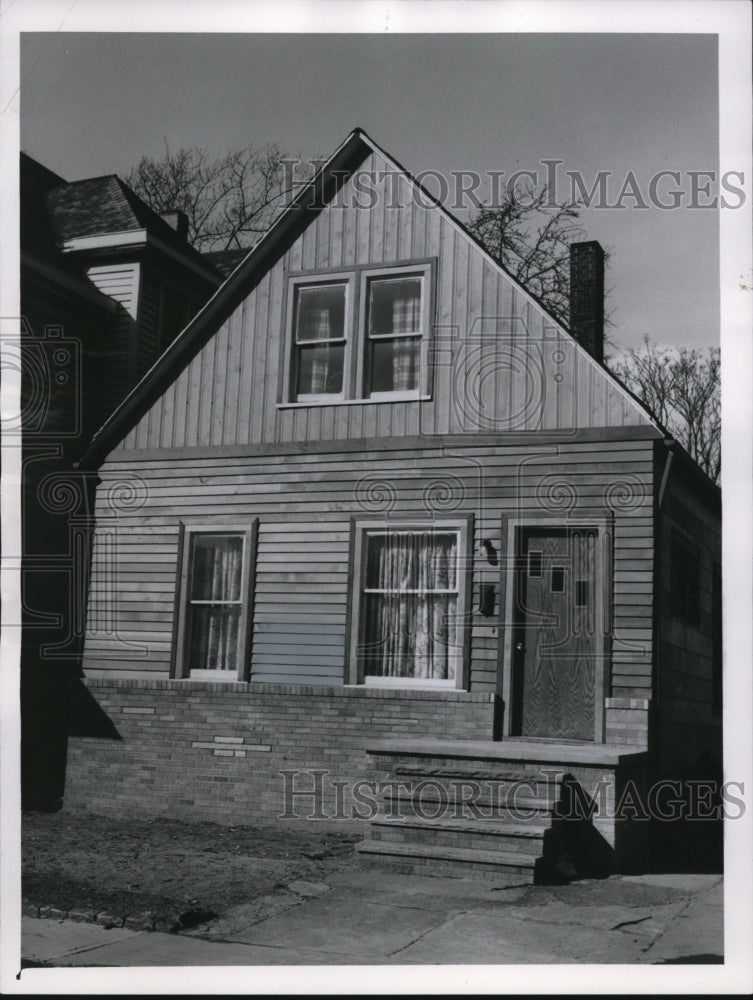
pixel 503 809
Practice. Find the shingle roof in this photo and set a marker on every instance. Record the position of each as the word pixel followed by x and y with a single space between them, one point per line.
pixel 90 207
pixel 98 206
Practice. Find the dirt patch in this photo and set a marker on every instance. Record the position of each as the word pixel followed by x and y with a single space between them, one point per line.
pixel 165 868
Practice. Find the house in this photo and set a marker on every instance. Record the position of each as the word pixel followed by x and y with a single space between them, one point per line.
pixel 106 284
pixel 379 542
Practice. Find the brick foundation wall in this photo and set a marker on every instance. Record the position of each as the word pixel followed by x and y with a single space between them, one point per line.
pixel 206 751
pixel 627 721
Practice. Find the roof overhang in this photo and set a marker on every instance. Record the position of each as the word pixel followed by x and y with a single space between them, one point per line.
pixel 140 239
pixel 67 283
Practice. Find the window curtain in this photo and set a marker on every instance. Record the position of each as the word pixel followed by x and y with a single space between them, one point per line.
pixel 217 568
pixel 320 332
pixel 318 373
pixel 409 630
pixel 406 318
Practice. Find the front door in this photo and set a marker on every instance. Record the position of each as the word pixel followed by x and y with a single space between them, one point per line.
pixel 556 649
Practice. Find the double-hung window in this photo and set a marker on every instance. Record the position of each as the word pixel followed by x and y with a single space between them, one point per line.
pixel 320 338
pixel 409 600
pixel 393 354
pixel 358 335
pixel 213 598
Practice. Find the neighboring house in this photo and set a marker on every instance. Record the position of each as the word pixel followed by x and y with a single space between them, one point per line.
pixel 375 515
pixel 106 284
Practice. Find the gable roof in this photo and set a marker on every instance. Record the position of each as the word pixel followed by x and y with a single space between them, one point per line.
pixel 291 222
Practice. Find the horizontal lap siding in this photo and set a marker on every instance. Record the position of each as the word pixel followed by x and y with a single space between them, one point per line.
pixel 685 656
pixel 148 346
pixel 301 597
pixel 119 282
pixel 304 504
pixel 501 364
pixel 118 368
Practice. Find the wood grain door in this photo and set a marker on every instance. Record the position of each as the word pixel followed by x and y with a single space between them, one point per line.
pixel 555 646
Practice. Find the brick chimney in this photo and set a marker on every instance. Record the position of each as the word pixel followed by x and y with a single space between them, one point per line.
pixel 178 221
pixel 587 296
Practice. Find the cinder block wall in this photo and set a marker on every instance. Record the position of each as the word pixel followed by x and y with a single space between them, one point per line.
pixel 217 752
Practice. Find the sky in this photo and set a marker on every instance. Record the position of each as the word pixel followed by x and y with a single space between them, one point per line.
pixel 95 103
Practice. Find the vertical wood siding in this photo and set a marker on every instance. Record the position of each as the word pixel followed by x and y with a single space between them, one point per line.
pixel 304 504
pixel 503 365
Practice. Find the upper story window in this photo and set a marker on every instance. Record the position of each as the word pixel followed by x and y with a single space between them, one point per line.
pixel 358 335
pixel 394 335
pixel 320 338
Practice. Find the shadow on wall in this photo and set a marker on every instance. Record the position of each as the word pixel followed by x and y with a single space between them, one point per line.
pixel 573 847
pixel 54 705
pixel 694 841
pixel 691 841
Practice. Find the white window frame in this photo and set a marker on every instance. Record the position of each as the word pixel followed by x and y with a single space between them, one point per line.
pixel 367 338
pixel 296 285
pixel 360 532
pixel 182 616
pixel 357 339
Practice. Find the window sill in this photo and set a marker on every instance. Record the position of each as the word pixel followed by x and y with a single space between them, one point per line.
pixel 212 677
pixel 381 398
pixel 407 685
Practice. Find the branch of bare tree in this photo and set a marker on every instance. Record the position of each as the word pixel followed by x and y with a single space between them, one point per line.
pixel 682 388
pixel 229 200
pixel 532 239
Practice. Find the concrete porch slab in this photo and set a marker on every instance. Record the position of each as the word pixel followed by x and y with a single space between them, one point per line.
pixel 510 750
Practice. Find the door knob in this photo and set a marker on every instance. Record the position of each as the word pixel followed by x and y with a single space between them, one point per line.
pixel 519 647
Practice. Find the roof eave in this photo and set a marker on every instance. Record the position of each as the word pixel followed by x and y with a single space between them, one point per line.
pixel 348 154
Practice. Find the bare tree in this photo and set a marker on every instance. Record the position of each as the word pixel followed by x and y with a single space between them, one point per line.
pixel 229 200
pixel 682 388
pixel 530 236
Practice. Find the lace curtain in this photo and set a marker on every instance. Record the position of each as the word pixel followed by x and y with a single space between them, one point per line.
pixel 396 310
pixel 215 601
pixel 320 334
pixel 410 605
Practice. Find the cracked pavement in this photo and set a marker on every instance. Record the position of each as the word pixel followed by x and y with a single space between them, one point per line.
pixel 375 918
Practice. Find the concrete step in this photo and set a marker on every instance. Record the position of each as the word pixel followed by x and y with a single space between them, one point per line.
pixel 435 807
pixel 425 859
pixel 547 776
pixel 513 838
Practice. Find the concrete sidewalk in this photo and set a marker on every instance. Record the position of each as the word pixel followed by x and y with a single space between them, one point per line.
pixel 367 917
